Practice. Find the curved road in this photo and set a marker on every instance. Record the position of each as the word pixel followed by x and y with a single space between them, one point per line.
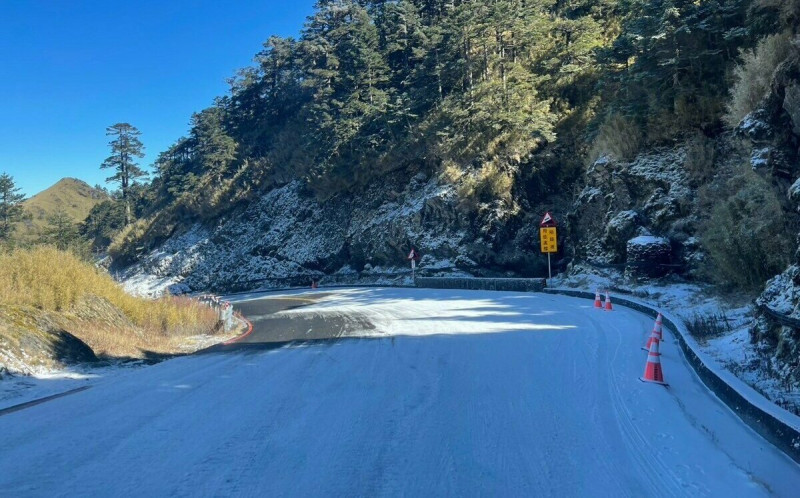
pixel 445 393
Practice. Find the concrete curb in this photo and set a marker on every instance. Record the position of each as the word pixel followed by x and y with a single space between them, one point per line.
pixel 28 404
pixel 472 283
pixel 321 288
pixel 248 324
pixel 778 432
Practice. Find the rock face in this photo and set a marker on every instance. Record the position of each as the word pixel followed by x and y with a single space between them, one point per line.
pixel 287 233
pixel 621 201
pixel 794 193
pixel 781 293
pixel 774 127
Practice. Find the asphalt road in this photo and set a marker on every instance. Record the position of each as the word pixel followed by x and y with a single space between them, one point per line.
pixel 456 393
pixel 273 328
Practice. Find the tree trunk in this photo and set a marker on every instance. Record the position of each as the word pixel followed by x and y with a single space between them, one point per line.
pixel 127 212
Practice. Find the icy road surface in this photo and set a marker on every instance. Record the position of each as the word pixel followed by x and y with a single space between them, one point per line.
pixel 472 393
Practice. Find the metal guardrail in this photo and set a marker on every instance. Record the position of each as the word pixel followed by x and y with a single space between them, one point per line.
pixel 397 279
pixel 780 318
pixel 223 308
pixel 359 278
pixel 304 279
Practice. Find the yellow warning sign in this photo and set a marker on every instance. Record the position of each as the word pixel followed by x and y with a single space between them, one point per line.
pixel 549 239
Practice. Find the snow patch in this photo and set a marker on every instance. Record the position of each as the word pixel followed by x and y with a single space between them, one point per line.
pixel 648 240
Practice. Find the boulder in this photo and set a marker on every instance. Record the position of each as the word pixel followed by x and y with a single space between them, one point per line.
pixel 624 199
pixel 781 293
pixel 647 256
pixel 756 126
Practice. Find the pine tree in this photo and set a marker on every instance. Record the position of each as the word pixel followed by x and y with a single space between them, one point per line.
pixel 103 222
pixel 347 73
pixel 125 148
pixel 373 86
pixel 213 148
pixel 176 173
pixel 60 231
pixel 11 211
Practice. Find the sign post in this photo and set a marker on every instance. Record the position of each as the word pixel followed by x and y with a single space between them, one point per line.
pixel 548 237
pixel 413 256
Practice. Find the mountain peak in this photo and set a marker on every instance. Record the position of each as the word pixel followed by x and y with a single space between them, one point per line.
pixel 73 196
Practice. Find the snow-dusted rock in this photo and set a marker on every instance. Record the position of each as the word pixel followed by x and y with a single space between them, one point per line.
pixel 759 159
pixel 651 194
pixel 646 255
pixel 782 293
pixel 287 233
pixel 794 193
pixel 756 127
pixel 619 229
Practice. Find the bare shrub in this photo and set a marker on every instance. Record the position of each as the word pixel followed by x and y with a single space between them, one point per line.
pixel 618 137
pixel 708 326
pixel 753 75
pixel 123 245
pixel 451 172
pixel 747 236
pixel 700 156
pixel 491 182
pixel 698 109
pixel 788 10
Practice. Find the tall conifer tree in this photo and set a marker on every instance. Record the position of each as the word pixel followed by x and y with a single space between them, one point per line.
pixel 125 148
pixel 10 206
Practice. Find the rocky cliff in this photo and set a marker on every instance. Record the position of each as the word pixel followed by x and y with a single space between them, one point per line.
pixel 289 234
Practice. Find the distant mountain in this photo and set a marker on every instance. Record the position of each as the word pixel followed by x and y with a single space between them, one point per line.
pixel 70 195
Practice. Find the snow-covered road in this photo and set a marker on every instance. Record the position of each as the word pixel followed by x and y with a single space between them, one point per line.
pixel 461 393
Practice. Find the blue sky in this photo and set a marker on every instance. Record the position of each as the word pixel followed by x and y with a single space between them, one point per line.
pixel 69 69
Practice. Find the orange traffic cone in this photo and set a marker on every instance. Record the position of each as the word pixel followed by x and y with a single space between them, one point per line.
pixel 608 302
pixel 652 370
pixel 655 335
pixel 597 303
pixel 659 322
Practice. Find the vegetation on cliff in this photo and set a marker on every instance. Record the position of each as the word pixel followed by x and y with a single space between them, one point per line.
pixel 509 97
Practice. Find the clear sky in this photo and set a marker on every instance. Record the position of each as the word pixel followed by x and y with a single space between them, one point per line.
pixel 69 69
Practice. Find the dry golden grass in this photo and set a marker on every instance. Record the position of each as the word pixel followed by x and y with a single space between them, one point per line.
pixel 618 137
pixel 451 172
pixel 89 304
pixel 753 76
pixel 123 244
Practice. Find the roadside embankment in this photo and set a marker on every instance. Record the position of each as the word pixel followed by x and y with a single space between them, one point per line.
pixel 56 309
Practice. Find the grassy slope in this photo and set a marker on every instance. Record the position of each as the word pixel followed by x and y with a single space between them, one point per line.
pixel 74 197
pixel 56 309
